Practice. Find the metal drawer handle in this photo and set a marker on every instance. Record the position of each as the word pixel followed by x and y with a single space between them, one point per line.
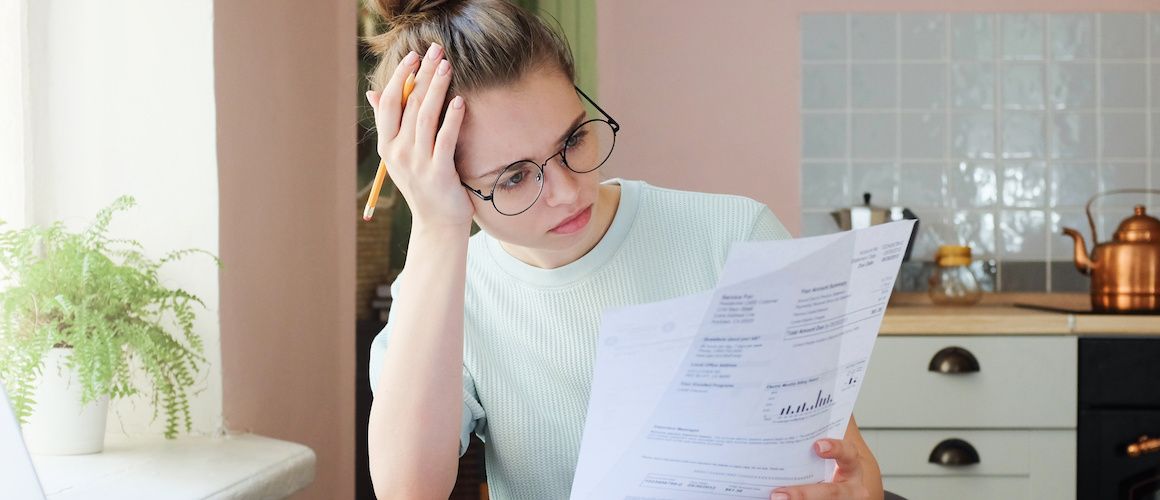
pixel 951 360
pixel 1143 446
pixel 954 452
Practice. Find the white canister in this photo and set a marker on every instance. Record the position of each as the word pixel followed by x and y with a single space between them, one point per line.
pixel 59 424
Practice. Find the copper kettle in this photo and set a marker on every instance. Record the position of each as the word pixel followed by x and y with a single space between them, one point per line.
pixel 1125 271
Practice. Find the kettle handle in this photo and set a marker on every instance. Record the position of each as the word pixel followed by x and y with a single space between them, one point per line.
pixel 1088 208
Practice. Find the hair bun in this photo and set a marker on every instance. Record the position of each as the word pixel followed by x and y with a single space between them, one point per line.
pixel 389 10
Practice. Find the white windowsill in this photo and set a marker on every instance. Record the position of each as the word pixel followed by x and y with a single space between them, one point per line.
pixel 190 467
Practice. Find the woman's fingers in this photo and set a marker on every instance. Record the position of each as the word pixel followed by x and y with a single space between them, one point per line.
pixel 422 82
pixel 822 491
pixel 387 117
pixel 847 482
pixel 436 197
pixel 844 453
pixel 428 119
pixel 449 132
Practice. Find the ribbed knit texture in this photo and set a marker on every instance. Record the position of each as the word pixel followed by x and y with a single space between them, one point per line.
pixel 530 333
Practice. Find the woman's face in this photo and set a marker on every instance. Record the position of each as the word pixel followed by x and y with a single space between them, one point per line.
pixel 530 121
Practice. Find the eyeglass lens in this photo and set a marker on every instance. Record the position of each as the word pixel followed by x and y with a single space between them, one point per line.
pixel 520 184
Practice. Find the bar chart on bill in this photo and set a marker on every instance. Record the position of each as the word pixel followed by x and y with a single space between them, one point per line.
pixel 799 399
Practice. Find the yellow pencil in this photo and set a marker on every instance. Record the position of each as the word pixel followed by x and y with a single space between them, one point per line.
pixel 369 211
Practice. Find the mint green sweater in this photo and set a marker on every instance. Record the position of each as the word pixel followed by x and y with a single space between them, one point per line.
pixel 530 333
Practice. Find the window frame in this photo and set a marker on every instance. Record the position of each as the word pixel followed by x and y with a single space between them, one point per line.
pixel 16 126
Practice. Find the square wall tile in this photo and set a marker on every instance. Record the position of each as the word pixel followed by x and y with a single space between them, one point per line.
pixel 914 274
pixel 924 85
pixel 1154 33
pixel 1063 247
pixel 1024 135
pixel 874 36
pixel 976 230
pixel 973 185
pixel 1023 37
pixel 1124 135
pixel 817 224
pixel 1023 86
pixel 1155 176
pixel 1072 184
pixel 972 36
pixel 875 135
pixel 1065 278
pixel 1072 85
pixel 823 135
pixel 1024 184
pixel 923 36
pixel 934 229
pixel 823 37
pixel 1154 91
pixel 1123 35
pixel 1023 276
pixel 824 86
pixel 1023 235
pixel 1155 141
pixel 880 179
pixel 1125 175
pixel 1119 207
pixel 995 128
pixel 824 185
pixel 874 85
pixel 1074 136
pixel 1124 85
pixel 923 135
pixel 921 185
pixel 973 85
pixel 973 135
pixel 1071 36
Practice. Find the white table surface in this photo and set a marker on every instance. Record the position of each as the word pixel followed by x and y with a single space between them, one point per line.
pixel 189 467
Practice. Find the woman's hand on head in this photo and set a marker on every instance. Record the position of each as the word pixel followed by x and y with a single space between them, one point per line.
pixel 419 158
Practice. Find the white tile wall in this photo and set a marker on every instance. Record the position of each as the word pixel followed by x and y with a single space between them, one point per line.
pixel 994 128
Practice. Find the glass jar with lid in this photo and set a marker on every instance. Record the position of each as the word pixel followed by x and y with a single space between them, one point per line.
pixel 951 281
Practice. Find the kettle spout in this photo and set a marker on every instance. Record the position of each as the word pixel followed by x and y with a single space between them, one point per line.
pixel 1082 262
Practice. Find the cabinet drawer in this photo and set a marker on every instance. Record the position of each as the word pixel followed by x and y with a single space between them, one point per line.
pixel 1021 382
pixel 959 488
pixel 1011 463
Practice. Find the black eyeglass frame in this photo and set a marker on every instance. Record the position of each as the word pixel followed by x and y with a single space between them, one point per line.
pixel 563 159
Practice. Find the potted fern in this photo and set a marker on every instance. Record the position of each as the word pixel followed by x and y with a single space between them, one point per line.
pixel 85 318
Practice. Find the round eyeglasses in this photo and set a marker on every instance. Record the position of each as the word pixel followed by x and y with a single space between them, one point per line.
pixel 520 184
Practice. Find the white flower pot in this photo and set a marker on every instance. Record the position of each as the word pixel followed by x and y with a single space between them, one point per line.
pixel 59 424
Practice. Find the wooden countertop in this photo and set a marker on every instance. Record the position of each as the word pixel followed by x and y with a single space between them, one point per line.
pixel 915 314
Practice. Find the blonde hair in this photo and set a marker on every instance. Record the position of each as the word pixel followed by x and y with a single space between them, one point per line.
pixel 489 43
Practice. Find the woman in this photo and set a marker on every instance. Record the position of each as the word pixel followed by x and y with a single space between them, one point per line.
pixel 496 333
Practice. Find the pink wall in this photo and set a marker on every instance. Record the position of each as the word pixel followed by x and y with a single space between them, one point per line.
pixel 285 84
pixel 708 92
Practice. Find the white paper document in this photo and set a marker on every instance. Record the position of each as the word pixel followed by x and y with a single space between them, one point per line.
pixel 721 395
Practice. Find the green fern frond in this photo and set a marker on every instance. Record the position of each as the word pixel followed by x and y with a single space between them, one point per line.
pixel 103 297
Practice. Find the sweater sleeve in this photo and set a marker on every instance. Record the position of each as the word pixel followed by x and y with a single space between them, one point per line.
pixel 473 416
pixel 766 226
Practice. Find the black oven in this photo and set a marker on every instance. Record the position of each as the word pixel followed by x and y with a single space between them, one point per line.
pixel 1118 454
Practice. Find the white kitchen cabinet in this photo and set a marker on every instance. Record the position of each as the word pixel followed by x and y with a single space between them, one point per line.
pixel 1017 412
